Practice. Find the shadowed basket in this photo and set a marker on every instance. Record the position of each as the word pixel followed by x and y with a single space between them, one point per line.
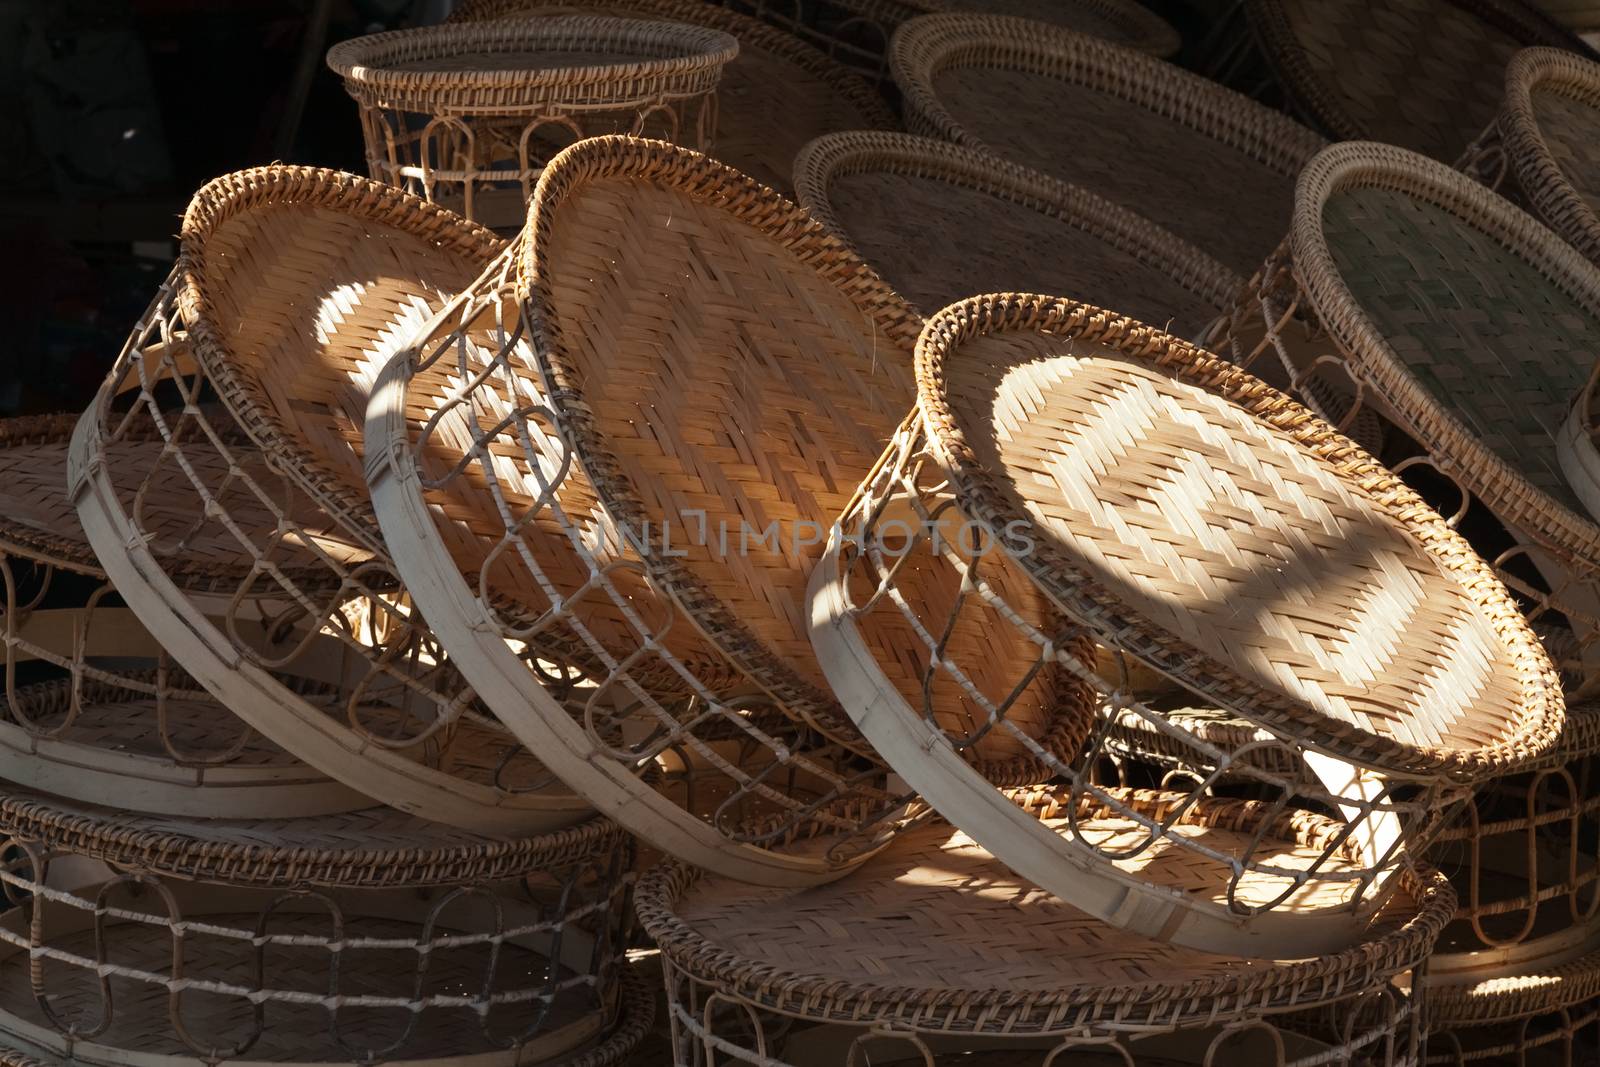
pixel 1539 1015
pixel 1470 327
pixel 982 81
pixel 1428 78
pixel 777 94
pixel 468 114
pixel 672 541
pixel 94 707
pixel 934 947
pixel 1025 231
pixel 1194 520
pixel 293 287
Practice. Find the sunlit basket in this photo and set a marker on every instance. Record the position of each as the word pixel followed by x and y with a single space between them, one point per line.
pixel 670 546
pixel 1193 519
pixel 1471 327
pixel 1038 94
pixel 1023 231
pixel 1542 1015
pixel 1541 150
pixel 468 114
pixel 336 939
pixel 933 953
pixel 777 94
pixel 251 370
pixel 93 707
pixel 1428 73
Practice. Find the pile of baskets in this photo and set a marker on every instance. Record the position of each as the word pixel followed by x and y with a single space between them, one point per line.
pixel 1103 578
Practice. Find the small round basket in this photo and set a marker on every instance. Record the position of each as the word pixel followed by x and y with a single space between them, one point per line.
pixel 1428 76
pixel 468 114
pixel 94 707
pixel 983 81
pixel 292 288
pixel 1194 520
pixel 1023 231
pixel 933 953
pixel 777 94
pixel 1472 328
pixel 1544 143
pixel 669 544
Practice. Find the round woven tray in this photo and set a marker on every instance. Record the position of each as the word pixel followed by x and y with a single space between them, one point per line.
pixel 477 976
pixel 1022 231
pixel 1428 74
pixel 1563 1037
pixel 468 114
pixel 293 287
pixel 1203 524
pixel 776 95
pixel 721 505
pixel 984 82
pixel 933 937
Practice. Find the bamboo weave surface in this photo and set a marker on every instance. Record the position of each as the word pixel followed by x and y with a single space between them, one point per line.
pixel 983 82
pixel 1023 231
pixel 776 95
pixel 1173 499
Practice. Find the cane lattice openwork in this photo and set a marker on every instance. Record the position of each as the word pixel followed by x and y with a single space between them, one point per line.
pixel 251 370
pixel 933 950
pixel 93 705
pixel 1195 520
pixel 276 955
pixel 1435 304
pixel 468 114
pixel 777 94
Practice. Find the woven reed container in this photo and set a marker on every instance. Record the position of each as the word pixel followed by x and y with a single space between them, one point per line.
pixel 467 115
pixel 292 288
pixel 1542 1016
pixel 982 81
pixel 94 707
pixel 1428 76
pixel 1197 521
pixel 934 954
pixel 777 94
pixel 718 406
pixel 1541 151
pixel 1471 328
pixel 359 938
pixel 860 31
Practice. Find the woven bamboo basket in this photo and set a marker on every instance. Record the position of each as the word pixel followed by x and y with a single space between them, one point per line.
pixel 1542 1015
pixel 933 950
pixel 1428 76
pixel 671 542
pixel 467 115
pixel 292 288
pixel 1469 326
pixel 337 939
pixel 982 81
pixel 1541 149
pixel 776 95
pixel 1025 231
pixel 93 706
pixel 1219 533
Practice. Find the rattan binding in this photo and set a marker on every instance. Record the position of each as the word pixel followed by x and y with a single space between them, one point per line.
pixel 1023 231
pixel 495 100
pixel 292 288
pixel 776 95
pixel 982 81
pixel 1422 74
pixel 1548 133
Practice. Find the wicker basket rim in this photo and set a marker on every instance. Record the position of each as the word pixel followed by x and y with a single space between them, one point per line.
pixel 836 155
pixel 1536 721
pixel 1539 176
pixel 1517 996
pixel 1358 164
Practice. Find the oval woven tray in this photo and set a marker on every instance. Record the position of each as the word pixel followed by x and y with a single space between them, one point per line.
pixel 1549 128
pixel 1428 75
pixel 776 95
pixel 1022 231
pixel 983 81
pixel 293 287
